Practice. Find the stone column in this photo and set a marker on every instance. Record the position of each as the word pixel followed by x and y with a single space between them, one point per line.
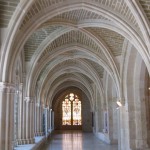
pixel 29 135
pixel 123 127
pixel 95 113
pixel 20 129
pixel 110 120
pixel 37 110
pixel 39 120
pixel 106 125
pixel 96 125
pixel 35 118
pixel 7 92
pixel 123 136
pixel 23 140
pixel 141 140
pixel 52 116
pixel 46 121
pixel 130 134
pixel 50 120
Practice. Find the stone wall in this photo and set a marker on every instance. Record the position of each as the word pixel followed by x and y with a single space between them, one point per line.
pixel 86 114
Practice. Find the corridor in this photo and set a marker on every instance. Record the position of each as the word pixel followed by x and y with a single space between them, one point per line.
pixel 75 140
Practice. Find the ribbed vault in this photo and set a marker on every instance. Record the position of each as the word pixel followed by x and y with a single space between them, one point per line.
pixel 146 7
pixel 69 69
pixel 51 56
pixel 7 8
pixel 94 46
pixel 86 41
pixel 118 6
pixel 36 39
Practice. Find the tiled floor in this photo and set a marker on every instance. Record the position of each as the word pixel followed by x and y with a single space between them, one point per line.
pixel 75 140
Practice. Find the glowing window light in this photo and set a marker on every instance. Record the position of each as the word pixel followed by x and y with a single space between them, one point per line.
pixel 71 110
pixel 119 103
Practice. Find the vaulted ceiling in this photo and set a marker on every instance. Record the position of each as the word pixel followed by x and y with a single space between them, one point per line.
pixel 7 8
pixel 74 41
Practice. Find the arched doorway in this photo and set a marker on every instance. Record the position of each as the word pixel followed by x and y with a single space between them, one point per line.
pixel 72 110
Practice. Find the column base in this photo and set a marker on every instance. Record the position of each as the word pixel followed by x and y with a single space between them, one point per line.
pixel 25 141
pixel 39 134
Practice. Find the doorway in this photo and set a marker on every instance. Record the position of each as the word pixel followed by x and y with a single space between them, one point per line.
pixel 72 110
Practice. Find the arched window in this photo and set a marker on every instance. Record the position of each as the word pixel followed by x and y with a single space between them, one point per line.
pixel 71 110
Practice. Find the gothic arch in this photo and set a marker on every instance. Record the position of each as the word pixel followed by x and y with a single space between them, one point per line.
pixel 97 10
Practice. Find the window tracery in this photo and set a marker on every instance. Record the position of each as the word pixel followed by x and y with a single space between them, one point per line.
pixel 71 110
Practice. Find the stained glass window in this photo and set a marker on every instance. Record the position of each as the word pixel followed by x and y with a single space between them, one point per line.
pixel 66 108
pixel 71 110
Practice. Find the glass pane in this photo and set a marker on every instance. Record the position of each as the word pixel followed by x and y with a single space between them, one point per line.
pixel 66 112
pixel 71 110
pixel 77 112
pixel 71 96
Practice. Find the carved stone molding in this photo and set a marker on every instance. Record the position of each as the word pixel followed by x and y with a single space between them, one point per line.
pixel 20 87
pixel 7 87
pixel 46 107
pixel 29 99
pixel 121 99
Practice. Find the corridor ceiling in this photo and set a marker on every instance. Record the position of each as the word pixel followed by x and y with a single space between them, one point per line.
pixel 73 43
pixel 7 7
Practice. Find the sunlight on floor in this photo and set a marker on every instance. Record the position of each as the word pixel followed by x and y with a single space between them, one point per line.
pixel 76 140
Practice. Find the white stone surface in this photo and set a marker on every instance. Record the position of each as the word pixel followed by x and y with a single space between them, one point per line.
pixel 38 141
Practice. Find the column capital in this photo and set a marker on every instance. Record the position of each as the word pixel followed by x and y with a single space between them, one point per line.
pixel 46 108
pixel 49 108
pixel 29 99
pixel 20 87
pixel 122 100
pixel 7 87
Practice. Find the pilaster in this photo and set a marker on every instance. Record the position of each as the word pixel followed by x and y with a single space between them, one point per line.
pixel 20 115
pixel 46 120
pixel 7 92
pixel 39 120
pixel 50 120
pixel 29 135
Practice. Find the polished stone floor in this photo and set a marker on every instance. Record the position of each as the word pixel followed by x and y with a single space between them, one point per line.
pixel 75 140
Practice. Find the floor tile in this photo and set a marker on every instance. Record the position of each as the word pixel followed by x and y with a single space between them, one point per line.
pixel 75 140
